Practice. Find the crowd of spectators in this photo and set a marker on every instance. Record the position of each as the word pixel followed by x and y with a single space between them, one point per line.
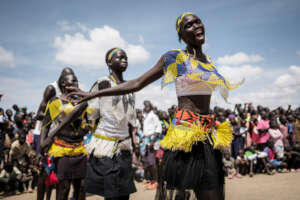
pixel 265 141
pixel 18 166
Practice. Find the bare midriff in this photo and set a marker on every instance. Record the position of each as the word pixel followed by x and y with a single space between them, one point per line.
pixel 197 103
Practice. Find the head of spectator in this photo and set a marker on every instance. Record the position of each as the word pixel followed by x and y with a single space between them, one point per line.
pixel 18 118
pixel 263 115
pixel 232 120
pixel 253 147
pixel 290 118
pixel 147 106
pixel 22 137
pixel 283 119
pixel 9 113
pixel 155 110
pixel 24 111
pixel 273 124
pixel 16 108
pixel 164 116
pixel 241 153
pixel 221 117
pixel 259 108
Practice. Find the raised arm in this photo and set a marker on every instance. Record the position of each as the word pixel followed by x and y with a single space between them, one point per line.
pixel 129 86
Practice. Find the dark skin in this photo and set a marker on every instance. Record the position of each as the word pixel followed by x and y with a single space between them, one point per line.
pixel 9 114
pixel 67 131
pixel 117 65
pixel 192 33
pixel 49 93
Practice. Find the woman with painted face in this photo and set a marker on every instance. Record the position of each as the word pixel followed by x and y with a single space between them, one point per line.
pixel 109 171
pixel 193 159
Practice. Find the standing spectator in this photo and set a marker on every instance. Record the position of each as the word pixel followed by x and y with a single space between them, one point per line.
pixel 290 130
pixel 262 129
pixel 238 140
pixel 276 137
pixel 284 130
pixel 152 130
pixel 297 129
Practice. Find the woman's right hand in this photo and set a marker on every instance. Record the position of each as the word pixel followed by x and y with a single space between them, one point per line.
pixel 78 96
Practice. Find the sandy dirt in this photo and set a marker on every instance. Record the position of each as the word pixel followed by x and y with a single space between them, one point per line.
pixel 277 187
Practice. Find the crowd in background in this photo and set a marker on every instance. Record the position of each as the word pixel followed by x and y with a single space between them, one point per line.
pixel 265 141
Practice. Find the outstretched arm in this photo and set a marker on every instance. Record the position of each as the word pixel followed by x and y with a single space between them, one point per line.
pixel 129 86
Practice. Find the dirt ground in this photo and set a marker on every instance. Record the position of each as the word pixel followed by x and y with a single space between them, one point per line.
pixel 284 186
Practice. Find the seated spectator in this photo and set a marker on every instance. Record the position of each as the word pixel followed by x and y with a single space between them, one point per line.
pixel 272 161
pixel 27 177
pixel 242 164
pixel 293 158
pixel 228 165
pixel 10 177
pixel 19 149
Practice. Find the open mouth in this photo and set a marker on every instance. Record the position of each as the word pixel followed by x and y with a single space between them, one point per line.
pixel 199 32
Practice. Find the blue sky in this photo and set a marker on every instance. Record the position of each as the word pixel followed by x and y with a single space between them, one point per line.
pixel 256 40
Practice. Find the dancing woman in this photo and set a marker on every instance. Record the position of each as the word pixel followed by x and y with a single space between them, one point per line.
pixel 109 171
pixel 193 160
pixel 66 147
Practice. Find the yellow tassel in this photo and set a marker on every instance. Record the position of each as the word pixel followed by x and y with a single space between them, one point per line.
pixel 180 137
pixel 59 151
pixel 223 135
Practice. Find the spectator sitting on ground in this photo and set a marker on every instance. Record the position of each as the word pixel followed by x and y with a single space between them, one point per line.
pixel 242 164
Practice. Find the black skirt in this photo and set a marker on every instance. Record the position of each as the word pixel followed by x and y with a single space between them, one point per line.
pixel 110 177
pixel 200 169
pixel 70 167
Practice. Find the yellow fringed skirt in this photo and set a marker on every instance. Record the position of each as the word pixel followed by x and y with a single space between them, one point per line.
pixel 184 134
pixel 61 148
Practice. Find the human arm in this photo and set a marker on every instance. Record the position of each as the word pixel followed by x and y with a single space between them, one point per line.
pixel 129 86
pixel 46 137
pixel 48 94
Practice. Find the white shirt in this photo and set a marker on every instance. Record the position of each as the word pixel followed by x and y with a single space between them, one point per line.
pixel 114 115
pixel 37 128
pixel 151 124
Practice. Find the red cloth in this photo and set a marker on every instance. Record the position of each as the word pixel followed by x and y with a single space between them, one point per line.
pixel 51 179
pixel 29 138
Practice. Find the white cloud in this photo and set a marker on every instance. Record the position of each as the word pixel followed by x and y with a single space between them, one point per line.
pixel 238 59
pixel 7 58
pixel 161 98
pixel 298 52
pixel 89 51
pixel 235 74
pixel 289 79
pixel 282 91
pixel 65 25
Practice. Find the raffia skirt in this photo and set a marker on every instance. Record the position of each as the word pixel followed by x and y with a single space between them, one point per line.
pixel 195 171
